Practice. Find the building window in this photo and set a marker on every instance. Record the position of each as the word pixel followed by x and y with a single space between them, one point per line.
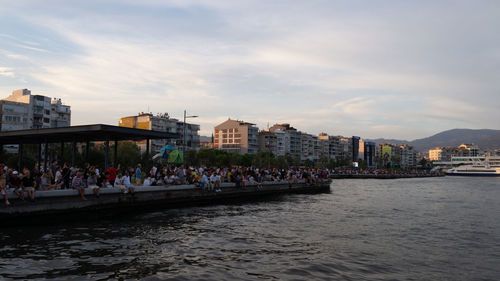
pixel 224 130
pixel 224 136
pixel 46 120
pixel 231 135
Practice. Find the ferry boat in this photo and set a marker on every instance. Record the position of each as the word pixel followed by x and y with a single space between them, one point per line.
pixel 476 166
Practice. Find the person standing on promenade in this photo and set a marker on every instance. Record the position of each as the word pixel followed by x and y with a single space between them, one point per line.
pixel 52 171
pixel 66 176
pixel 3 185
pixel 77 184
pixel 138 174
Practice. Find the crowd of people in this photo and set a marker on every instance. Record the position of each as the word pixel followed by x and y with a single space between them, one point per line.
pixel 127 179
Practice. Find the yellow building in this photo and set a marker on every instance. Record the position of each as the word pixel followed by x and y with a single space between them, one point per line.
pixel 435 154
pixel 163 123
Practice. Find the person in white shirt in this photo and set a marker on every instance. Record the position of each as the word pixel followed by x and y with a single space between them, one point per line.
pixel 119 183
pixel 147 181
pixel 204 182
pixel 213 180
pixel 126 182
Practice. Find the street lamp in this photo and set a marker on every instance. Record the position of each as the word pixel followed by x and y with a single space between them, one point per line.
pixel 184 131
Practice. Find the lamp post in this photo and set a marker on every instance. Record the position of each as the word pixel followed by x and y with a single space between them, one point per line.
pixel 184 131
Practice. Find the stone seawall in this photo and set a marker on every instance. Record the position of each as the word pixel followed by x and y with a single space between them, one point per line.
pixel 58 203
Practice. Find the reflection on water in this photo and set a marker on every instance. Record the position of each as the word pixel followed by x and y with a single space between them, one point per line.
pixel 408 229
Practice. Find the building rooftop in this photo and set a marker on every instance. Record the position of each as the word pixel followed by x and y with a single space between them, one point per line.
pixel 95 132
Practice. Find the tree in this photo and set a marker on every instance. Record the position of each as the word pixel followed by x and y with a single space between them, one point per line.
pixel 129 154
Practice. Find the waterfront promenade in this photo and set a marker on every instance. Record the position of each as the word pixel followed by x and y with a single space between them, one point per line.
pixel 55 204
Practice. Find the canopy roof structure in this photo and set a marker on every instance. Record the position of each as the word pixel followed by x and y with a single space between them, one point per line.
pixel 96 132
pixel 78 134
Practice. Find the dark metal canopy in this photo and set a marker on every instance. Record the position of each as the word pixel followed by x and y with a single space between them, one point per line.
pixel 96 132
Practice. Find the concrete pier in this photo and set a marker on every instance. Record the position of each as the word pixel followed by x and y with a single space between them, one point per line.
pixel 60 203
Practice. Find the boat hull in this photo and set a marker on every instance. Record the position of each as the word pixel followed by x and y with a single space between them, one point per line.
pixel 474 174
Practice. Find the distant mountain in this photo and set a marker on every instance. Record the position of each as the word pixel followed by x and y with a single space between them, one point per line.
pixel 205 139
pixel 486 139
pixel 381 140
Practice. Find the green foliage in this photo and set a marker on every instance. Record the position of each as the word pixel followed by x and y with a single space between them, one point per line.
pixel 129 154
pixel 11 161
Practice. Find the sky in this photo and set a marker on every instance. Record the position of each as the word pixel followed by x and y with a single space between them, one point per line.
pixel 392 69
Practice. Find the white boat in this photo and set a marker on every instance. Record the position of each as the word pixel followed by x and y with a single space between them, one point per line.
pixel 476 166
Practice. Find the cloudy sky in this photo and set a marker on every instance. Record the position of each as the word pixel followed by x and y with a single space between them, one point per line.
pixel 394 69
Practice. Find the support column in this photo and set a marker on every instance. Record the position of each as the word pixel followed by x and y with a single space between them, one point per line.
pixel 20 157
pixel 46 157
pixel 115 157
pixel 147 151
pixel 73 153
pixel 62 153
pixel 39 156
pixel 106 154
pixel 87 144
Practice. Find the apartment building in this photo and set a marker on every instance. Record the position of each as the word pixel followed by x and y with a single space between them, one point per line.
pixel 22 110
pixel 162 122
pixel 236 136
pixel 294 136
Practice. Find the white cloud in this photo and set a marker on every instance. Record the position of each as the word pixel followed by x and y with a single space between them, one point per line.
pixel 7 72
pixel 320 66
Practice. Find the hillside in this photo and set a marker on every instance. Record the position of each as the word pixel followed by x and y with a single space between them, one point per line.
pixel 486 139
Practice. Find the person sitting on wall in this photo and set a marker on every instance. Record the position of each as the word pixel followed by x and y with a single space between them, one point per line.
pixel 119 183
pixel 27 183
pixel 44 181
pixel 123 183
pixel 92 183
pixel 111 172
pixel 15 185
pixel 77 183
pixel 204 182
pixel 59 183
pixel 147 182
pixel 3 185
pixel 126 182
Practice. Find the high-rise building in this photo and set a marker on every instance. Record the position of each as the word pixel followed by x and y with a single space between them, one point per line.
pixel 282 142
pixel 14 116
pixel 268 142
pixel 22 110
pixel 355 148
pixel 236 136
pixel 163 123
pixel 295 137
pixel 369 154
pixel 445 153
pixel 401 155
pixel 60 114
pixel 307 142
